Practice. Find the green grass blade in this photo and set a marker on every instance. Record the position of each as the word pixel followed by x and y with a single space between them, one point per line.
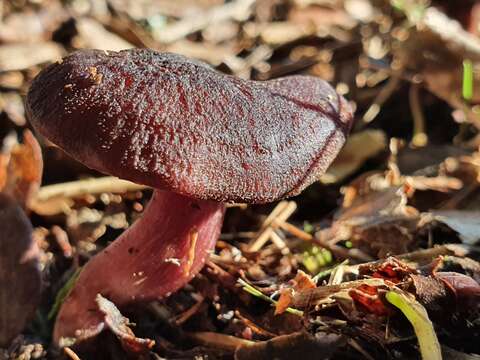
pixel 423 327
pixel 467 88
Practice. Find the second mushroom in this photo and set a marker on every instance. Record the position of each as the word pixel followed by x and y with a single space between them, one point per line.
pixel 199 137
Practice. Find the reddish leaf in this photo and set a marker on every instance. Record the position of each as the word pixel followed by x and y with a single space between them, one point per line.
pixel 21 170
pixel 391 269
pixel 465 289
pixel 118 324
pixel 368 297
pixel 20 277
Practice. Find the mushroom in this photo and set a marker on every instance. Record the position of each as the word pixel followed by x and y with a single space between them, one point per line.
pixel 198 137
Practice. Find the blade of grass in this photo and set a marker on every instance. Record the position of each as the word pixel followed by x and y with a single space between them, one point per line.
pixel 326 272
pixel 467 87
pixel 257 293
pixel 423 327
pixel 62 294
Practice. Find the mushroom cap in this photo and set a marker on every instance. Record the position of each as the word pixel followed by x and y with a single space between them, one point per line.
pixel 172 123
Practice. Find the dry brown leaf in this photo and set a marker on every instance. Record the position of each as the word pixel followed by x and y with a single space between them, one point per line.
pixel 286 296
pixel 465 222
pixel 12 104
pixel 23 56
pixel 301 282
pixel 359 148
pixel 436 50
pixel 27 26
pixel 378 222
pixel 21 174
pixel 92 34
pixel 20 277
pixel 119 325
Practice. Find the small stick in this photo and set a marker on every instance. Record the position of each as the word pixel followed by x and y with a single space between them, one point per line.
pixel 71 353
pixel 292 229
pixel 420 137
pixel 281 213
pixel 381 98
pixel 87 186
pixel 62 240
pixel 189 312
pixel 277 210
pixel 340 251
pixel 220 341
pixel 255 328
pixel 236 205
pixel 261 240
pixel 279 242
pixel 288 211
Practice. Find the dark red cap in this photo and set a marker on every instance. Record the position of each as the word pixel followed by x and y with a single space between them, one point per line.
pixel 166 121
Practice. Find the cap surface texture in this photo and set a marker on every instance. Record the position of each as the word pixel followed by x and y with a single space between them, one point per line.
pixel 163 120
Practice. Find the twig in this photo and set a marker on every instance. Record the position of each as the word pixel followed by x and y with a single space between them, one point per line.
pixel 295 231
pixel 219 341
pixel 381 98
pixel 279 243
pixel 420 137
pixel 274 214
pixel 88 186
pixel 189 312
pixel 255 328
pixel 339 251
pixel 71 353
pixel 280 213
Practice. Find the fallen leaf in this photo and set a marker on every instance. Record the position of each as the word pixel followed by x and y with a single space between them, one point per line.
pixel 20 277
pixel 23 56
pixel 359 148
pixel 368 296
pixel 29 26
pixel 21 174
pixel 432 294
pixel 391 269
pixel 92 34
pixel 286 296
pixel 377 222
pixel 465 289
pixel 12 104
pixel 465 222
pixel 119 325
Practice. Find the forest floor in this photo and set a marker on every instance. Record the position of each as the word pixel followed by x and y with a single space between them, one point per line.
pixel 387 239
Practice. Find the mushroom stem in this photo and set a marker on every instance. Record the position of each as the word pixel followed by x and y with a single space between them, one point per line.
pixel 158 255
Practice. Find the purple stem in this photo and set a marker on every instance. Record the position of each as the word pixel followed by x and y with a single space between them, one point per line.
pixel 158 255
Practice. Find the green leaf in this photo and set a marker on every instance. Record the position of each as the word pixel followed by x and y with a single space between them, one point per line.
pixel 62 294
pixel 467 89
pixel 423 327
